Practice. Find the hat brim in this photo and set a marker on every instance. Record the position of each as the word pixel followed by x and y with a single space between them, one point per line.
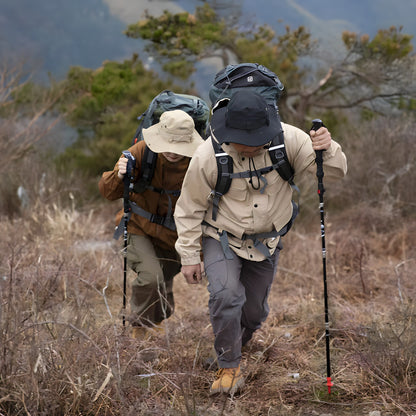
pixel 255 137
pixel 158 142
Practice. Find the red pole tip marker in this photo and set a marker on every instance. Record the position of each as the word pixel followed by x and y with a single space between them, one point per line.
pixel 329 383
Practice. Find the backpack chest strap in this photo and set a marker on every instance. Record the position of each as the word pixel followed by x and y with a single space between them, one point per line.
pixel 225 174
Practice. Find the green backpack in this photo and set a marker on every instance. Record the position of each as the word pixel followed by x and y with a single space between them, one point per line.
pixel 165 101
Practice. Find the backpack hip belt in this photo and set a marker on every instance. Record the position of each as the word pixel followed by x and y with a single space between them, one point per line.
pixel 255 238
pixel 166 221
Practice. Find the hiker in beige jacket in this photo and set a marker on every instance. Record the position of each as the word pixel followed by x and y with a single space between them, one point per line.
pixel 240 262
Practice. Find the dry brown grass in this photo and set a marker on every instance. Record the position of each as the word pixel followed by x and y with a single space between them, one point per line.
pixel 64 350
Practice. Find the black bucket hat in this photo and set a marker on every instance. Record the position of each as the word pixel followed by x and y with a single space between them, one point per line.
pixel 246 119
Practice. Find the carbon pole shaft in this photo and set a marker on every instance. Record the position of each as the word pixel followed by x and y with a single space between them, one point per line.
pixel 316 124
pixel 128 185
pixel 125 269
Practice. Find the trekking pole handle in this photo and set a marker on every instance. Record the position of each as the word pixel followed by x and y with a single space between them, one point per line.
pixel 316 125
pixel 130 162
pixel 128 178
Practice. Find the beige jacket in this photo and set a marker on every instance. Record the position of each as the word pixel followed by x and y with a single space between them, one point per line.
pixel 243 210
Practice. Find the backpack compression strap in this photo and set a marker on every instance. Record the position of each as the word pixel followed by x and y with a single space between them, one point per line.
pixel 224 169
pixel 278 156
pixel 147 170
pixel 277 152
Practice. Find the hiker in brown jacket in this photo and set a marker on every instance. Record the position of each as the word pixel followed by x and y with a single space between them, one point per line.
pixel 150 250
pixel 241 234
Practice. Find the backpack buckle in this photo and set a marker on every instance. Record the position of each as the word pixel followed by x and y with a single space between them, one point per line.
pixel 157 219
pixel 214 195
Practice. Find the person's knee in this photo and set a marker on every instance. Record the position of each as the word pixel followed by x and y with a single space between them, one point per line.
pixel 149 280
pixel 226 301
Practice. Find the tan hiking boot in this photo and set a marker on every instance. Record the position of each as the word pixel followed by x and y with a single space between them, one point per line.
pixel 146 332
pixel 139 332
pixel 158 329
pixel 229 381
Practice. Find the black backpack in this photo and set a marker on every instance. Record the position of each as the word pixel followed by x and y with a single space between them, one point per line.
pixel 246 75
pixel 165 101
pixel 266 83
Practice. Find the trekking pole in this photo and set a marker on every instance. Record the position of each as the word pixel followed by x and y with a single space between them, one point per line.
pixel 128 185
pixel 316 124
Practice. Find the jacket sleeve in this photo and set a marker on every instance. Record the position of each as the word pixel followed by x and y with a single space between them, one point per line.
pixel 335 161
pixel 110 185
pixel 302 156
pixel 193 204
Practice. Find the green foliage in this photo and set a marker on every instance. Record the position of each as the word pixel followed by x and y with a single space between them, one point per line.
pixel 104 105
pixel 27 93
pixel 180 37
pixel 179 68
pixel 375 77
pixel 183 39
pixel 278 53
pixel 387 44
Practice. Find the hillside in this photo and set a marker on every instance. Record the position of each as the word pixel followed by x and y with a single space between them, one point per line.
pixel 65 351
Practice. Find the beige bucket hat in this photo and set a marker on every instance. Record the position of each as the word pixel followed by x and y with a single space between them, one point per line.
pixel 175 133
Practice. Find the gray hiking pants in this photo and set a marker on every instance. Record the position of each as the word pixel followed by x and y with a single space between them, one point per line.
pixel 238 290
pixel 152 290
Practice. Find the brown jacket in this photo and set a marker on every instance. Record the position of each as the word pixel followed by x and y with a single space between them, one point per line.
pixel 243 210
pixel 167 176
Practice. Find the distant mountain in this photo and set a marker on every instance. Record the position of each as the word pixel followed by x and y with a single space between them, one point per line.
pixel 56 34
pixel 327 19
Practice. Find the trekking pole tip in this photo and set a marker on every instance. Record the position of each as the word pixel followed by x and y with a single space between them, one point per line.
pixel 329 383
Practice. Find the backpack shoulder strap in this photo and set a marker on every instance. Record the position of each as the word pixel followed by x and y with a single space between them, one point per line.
pixel 147 170
pixel 278 155
pixel 224 169
pixel 281 164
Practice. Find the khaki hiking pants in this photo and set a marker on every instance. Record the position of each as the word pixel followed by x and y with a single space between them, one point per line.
pixel 152 290
pixel 238 290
